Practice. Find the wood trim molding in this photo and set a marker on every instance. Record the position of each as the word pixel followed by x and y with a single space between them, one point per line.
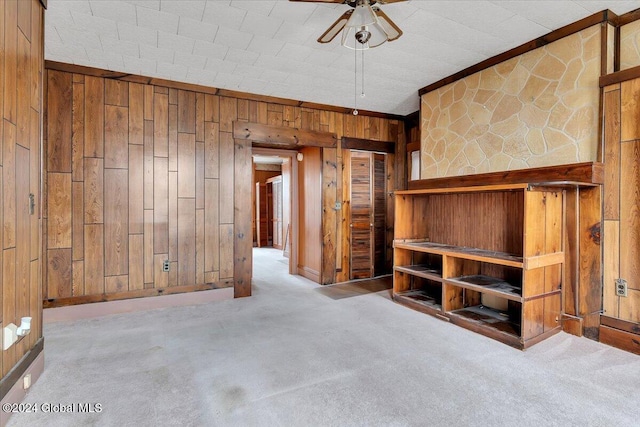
pixel 97 72
pixel 282 137
pixel 587 173
pixel 567 30
pixel 20 368
pixel 61 302
pixel 44 3
pixel 620 76
pixel 629 17
pixel 368 145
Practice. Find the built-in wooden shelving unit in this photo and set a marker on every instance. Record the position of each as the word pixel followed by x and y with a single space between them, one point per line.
pixel 489 258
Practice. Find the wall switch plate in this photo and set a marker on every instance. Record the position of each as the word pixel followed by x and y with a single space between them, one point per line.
pixel 26 382
pixel 621 287
pixel 166 266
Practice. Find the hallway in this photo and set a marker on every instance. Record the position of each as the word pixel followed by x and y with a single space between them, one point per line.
pixel 292 356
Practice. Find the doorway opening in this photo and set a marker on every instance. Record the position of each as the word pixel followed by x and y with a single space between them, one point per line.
pixel 274 192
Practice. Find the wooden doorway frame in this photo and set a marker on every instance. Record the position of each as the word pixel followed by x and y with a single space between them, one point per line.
pixel 293 209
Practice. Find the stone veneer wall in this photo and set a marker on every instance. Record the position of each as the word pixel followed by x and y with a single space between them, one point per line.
pixel 538 109
pixel 630 45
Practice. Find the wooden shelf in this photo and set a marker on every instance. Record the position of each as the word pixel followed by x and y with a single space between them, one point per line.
pixel 488 318
pixel 424 271
pixel 488 285
pixel 419 300
pixel 501 258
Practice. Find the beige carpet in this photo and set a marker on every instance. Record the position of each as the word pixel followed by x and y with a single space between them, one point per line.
pixel 292 356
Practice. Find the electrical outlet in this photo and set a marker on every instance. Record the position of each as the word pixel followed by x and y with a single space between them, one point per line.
pixel 26 382
pixel 621 287
pixel 165 265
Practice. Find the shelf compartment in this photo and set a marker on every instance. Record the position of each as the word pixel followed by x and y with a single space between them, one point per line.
pixel 500 325
pixel 422 270
pixel 488 285
pixel 424 295
pixel 494 257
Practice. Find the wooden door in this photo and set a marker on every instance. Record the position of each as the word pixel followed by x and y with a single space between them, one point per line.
pixel 277 210
pixel 368 215
pixel 262 220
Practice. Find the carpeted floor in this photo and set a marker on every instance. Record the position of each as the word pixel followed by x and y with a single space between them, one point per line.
pixel 292 356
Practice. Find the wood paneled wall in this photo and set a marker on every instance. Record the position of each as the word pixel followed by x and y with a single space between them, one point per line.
pixel 622 198
pixel 139 173
pixel 21 67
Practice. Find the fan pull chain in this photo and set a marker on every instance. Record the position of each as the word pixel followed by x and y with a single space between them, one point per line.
pixel 355 82
pixel 362 92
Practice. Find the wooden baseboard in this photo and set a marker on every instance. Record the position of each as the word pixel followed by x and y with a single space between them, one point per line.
pixel 19 369
pixel 62 302
pixel 620 334
pixel 572 325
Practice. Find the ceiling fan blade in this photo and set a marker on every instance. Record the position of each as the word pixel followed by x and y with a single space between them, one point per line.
pixel 335 28
pixel 389 1
pixel 392 30
pixel 321 1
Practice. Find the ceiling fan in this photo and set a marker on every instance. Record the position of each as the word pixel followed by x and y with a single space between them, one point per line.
pixel 365 25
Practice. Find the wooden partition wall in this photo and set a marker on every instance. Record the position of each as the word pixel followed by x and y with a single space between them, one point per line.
pixel 140 173
pixel 21 66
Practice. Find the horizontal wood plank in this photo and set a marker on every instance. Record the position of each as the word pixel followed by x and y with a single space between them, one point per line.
pixel 368 145
pixel 283 137
pixel 586 173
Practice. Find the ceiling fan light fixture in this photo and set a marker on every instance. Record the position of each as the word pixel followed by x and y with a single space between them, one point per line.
pixel 362 15
pixel 365 37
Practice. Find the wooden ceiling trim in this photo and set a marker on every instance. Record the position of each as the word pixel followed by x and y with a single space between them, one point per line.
pixel 629 17
pixel 596 18
pixel 368 145
pixel 283 137
pixel 97 72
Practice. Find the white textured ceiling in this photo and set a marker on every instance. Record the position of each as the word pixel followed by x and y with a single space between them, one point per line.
pixel 269 47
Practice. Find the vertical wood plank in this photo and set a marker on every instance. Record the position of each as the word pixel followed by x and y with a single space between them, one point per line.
pixel 94 117
pixel 226 251
pixel 611 264
pixel 93 190
pixel 211 150
pixel 77 278
pixel 590 271
pixel 242 243
pixel 161 277
pixel 211 108
pixel 8 294
pixel 116 92
pixel 116 125
pixel 199 178
pixel 186 242
pixel 113 284
pixel 173 216
pixel 227 178
pixel 59 215
pixel 199 247
pixel 94 259
pixel 199 116
pixel 228 113
pixel 329 225
pixel 77 133
pixel 116 218
pixel 553 274
pixel 612 155
pixel 136 189
pixel 148 247
pixel 160 206
pixel 186 111
pixel 630 307
pixel 60 100
pixel 173 137
pixel 77 220
pixel 10 71
pixel 136 262
pixel 630 110
pixel 136 114
pixel 186 165
pixel 160 125
pixel 148 165
pixel 148 102
pixel 211 226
